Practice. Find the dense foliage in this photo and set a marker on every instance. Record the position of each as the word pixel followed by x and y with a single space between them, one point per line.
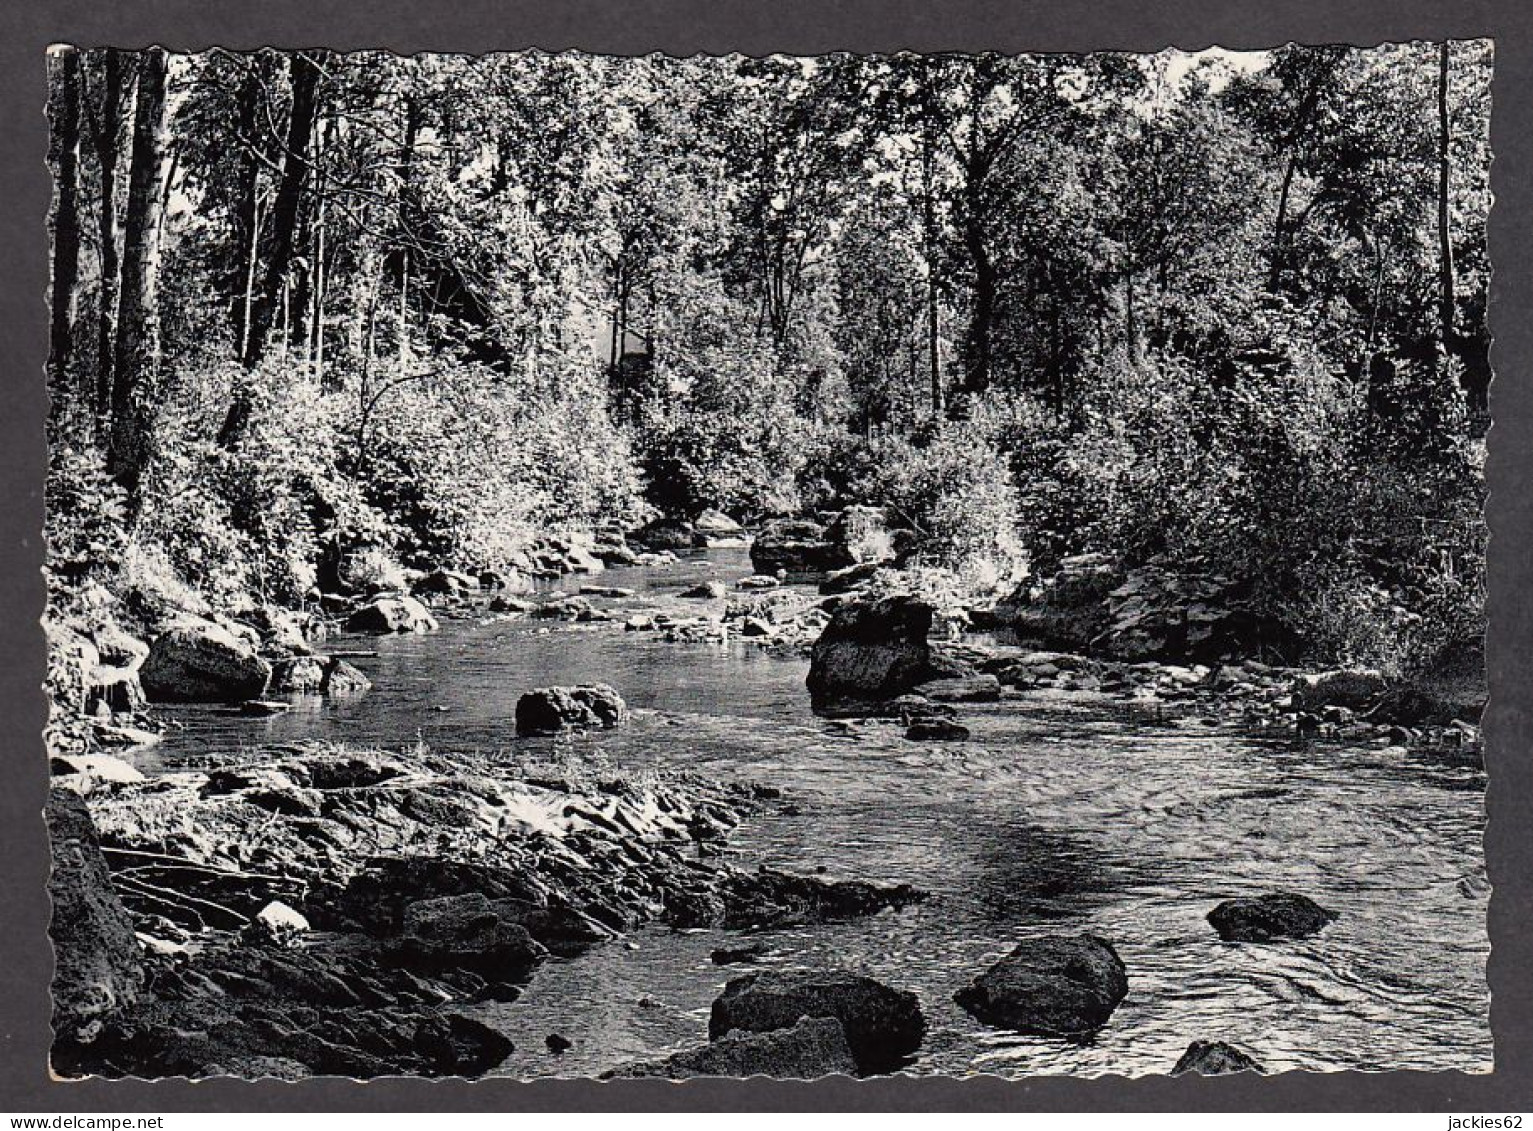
pixel 1226 311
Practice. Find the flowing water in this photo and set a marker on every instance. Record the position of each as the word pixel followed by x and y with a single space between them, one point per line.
pixel 1065 812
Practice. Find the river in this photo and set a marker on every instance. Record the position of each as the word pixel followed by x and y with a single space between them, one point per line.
pixel 1065 812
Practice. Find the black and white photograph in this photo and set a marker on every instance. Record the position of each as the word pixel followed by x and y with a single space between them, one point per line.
pixel 594 566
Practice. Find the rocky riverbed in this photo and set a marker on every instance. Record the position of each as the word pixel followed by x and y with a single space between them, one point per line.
pixel 387 890
pixel 461 905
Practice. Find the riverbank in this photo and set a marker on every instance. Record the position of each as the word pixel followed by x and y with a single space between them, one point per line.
pixel 1035 794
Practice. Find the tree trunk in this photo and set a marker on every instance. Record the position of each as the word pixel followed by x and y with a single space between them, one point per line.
pixel 247 219
pixel 1130 330
pixel 108 126
pixel 1301 121
pixel 252 263
pixel 982 316
pixel 406 214
pixel 1445 297
pixel 929 239
pixel 321 283
pixel 1279 227
pixel 1381 259
pixel 283 230
pixel 137 362
pixel 64 140
pixel 284 211
pixel 404 311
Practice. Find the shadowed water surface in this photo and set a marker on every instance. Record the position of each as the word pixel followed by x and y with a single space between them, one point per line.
pixel 1065 812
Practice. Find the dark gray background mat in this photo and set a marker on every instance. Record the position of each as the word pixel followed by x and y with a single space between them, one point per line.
pixel 764 26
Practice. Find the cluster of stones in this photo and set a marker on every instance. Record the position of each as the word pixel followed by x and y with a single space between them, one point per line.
pixel 318 911
pixel 810 1023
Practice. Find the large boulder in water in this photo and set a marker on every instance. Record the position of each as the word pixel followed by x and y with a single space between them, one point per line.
pixel 343 679
pixel 545 710
pixel 298 674
pixel 201 662
pixel 883 1025
pixel 97 967
pixel 715 528
pixel 1279 915
pixel 797 546
pixel 392 614
pixel 444 583
pixel 872 651
pixel 1055 987
pixel 814 1047
pixel 1214 1058
pixel 663 534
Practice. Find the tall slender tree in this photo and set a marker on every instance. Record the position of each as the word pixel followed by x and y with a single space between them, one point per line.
pixel 1445 296
pixel 273 296
pixel 136 365
pixel 64 112
pixel 105 138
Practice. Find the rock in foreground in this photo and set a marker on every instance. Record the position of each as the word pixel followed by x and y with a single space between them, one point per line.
pixel 883 1026
pixel 814 1047
pixel 253 1026
pixel 1214 1058
pixel 464 932
pixel 1054 987
pixel 547 710
pixel 98 964
pixel 430 880
pixel 203 663
pixel 1280 915
pixel 936 729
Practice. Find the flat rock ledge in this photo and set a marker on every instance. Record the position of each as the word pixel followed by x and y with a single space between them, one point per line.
pixel 411 885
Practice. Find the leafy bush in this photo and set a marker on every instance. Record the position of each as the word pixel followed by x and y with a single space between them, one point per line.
pixel 704 459
pixel 85 517
pixel 840 469
pixel 470 467
pixel 956 493
pixel 371 569
pixel 152 591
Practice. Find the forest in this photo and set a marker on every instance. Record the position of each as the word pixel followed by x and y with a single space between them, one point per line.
pixel 318 317
pixel 461 467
